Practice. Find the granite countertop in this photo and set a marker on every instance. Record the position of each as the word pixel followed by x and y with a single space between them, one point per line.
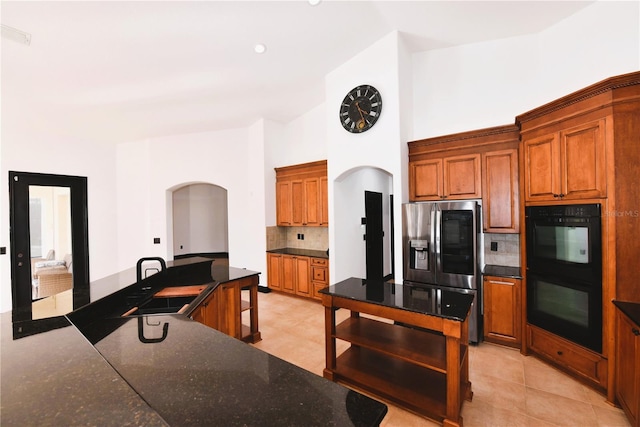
pixel 432 301
pixel 631 309
pixel 502 271
pixel 97 368
pixel 302 252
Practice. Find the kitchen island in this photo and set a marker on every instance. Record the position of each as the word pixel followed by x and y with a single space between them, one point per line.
pixel 96 367
pixel 419 360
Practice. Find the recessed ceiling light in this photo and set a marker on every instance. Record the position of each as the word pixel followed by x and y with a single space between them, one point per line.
pixel 314 2
pixel 260 48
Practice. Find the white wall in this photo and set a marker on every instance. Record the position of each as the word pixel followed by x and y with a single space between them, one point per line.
pixel 379 148
pixel 230 159
pixel 488 84
pixel 36 150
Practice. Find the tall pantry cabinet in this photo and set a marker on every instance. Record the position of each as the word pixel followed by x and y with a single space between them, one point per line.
pixel 585 148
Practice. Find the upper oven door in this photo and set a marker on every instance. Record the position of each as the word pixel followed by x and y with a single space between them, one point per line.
pixel 565 246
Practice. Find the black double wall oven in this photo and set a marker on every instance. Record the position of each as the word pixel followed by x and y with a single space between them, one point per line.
pixel 564 271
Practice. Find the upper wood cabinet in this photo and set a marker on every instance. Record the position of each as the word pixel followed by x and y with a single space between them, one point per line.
pixel 449 177
pixel 500 191
pixel 470 165
pixel 567 165
pixel 301 195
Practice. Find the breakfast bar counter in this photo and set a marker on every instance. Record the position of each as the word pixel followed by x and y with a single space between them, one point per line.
pixel 97 367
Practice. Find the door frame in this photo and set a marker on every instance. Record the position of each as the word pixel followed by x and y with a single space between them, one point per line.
pixel 21 274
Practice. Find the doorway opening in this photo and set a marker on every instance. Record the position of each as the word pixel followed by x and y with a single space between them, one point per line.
pixel 352 225
pixel 200 222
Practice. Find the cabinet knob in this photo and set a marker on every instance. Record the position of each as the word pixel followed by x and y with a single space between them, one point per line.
pixel 559 353
pixel 635 332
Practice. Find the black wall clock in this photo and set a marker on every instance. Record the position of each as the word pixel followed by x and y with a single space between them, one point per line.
pixel 360 109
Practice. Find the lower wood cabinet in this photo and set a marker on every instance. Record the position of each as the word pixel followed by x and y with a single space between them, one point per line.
pixel 628 367
pixel 296 274
pixel 319 276
pixel 224 306
pixel 502 312
pixel 584 364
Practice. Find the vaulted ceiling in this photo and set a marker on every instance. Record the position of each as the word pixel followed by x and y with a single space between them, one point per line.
pixel 123 70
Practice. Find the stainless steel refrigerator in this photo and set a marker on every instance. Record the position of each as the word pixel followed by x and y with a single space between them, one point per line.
pixel 443 247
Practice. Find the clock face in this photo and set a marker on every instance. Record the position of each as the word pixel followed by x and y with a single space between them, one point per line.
pixel 360 109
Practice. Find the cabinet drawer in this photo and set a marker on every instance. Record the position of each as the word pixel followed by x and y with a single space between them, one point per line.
pixel 322 262
pixel 586 363
pixel 319 274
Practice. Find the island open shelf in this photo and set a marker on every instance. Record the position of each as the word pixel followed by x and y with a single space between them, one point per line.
pixel 419 362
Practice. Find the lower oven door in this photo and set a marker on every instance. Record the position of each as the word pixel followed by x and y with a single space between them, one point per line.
pixel 568 308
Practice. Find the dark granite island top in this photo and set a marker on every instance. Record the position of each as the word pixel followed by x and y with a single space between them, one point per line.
pixel 430 301
pixel 97 368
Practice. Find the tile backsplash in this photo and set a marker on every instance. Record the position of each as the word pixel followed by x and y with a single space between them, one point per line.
pixel 315 238
pixel 508 253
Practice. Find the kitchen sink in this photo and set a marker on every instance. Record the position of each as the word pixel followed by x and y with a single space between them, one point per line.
pixel 164 305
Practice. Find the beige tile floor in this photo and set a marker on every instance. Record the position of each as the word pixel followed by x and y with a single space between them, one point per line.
pixel 509 389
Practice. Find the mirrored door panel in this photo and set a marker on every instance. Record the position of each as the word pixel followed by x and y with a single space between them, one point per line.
pixel 49 245
pixel 51 260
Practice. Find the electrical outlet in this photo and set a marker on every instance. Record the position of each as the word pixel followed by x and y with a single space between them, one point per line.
pixel 494 246
pixel 302 237
pixel 156 240
pixel 3 250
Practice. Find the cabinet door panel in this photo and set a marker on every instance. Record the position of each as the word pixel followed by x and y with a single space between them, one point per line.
pixel 312 201
pixel 297 202
pixel 502 313
pixel 283 203
pixel 288 273
pixel 303 276
pixel 462 177
pixel 582 151
pixel 542 168
pixel 425 180
pixel 500 192
pixel 274 271
pixel 229 310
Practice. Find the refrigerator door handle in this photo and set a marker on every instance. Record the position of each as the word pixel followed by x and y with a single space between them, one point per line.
pixel 436 217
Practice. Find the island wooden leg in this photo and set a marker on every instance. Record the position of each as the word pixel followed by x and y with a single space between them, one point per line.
pixel 330 341
pixel 452 332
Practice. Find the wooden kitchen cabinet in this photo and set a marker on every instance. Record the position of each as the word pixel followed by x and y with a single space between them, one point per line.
pixel 628 367
pixel 451 178
pixel 296 275
pixel 222 309
pixel 568 164
pixel 500 190
pixel 502 312
pixel 274 271
pixel 319 276
pixel 477 164
pixel 583 148
pixel 586 365
pixel 301 195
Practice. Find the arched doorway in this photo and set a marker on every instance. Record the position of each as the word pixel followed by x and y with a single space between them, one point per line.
pixel 350 223
pixel 200 221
